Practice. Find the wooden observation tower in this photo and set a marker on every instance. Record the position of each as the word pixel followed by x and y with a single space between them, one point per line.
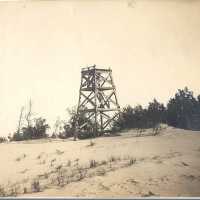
pixel 98 106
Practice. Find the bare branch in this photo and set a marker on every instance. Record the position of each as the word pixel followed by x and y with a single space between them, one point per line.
pixel 20 119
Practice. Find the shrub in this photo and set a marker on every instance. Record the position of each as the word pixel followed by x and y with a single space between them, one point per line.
pixel 2 191
pixel 60 177
pixel 82 173
pixel 35 131
pixel 112 159
pixel 132 161
pixel 157 129
pixel 103 162
pixel 25 190
pixel 68 163
pixel 14 191
pixel 91 144
pixel 85 135
pixel 141 118
pixel 101 172
pixel 35 186
pixel 93 163
pixel 182 108
pixel 3 139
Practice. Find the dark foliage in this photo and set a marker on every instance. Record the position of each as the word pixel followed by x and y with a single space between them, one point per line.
pixel 140 118
pixel 182 111
pixel 156 113
pixel 68 132
pixel 3 139
pixel 70 127
pixel 35 131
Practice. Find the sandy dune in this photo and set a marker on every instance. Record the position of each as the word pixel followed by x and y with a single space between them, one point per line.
pixel 124 166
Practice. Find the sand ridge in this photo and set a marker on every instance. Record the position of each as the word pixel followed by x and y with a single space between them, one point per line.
pixel 125 166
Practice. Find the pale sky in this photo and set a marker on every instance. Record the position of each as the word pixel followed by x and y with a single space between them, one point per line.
pixel 153 48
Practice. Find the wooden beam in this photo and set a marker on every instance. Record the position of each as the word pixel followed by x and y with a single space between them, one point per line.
pixel 88 99
pixel 107 123
pixel 87 119
pixel 107 110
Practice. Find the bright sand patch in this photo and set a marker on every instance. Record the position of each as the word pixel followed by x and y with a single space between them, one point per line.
pixel 124 166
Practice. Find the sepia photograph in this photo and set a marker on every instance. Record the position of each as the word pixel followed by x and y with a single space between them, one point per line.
pixel 100 98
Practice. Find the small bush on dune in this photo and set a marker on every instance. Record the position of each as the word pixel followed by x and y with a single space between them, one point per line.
pixel 157 129
pixel 42 162
pixel 60 178
pixel 18 159
pixel 93 163
pixel 35 129
pixel 53 136
pixel 3 139
pixel 132 161
pixel 14 191
pixel 76 164
pixel 68 163
pixel 101 172
pixel 59 167
pixel 25 190
pixel 52 162
pixel 59 152
pixel 103 162
pixel 112 159
pixel 82 173
pixel 2 191
pixel 67 132
pixel 35 186
pixel 140 131
pixel 149 194
pixel 91 144
pixel 85 135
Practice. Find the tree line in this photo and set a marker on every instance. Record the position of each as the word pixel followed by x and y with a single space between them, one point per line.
pixel 181 111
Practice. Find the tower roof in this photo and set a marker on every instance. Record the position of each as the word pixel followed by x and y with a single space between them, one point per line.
pixel 92 68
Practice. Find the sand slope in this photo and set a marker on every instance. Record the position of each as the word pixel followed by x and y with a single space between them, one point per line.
pixel 123 166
